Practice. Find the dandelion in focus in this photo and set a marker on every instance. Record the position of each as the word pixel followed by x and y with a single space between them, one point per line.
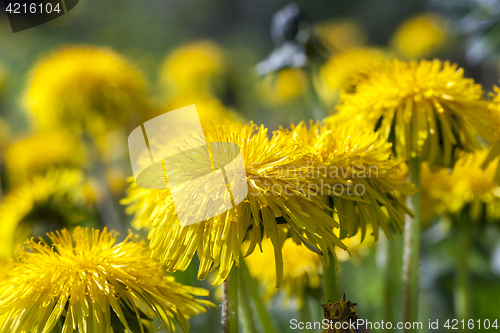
pixel 427 108
pixel 57 199
pixel 420 36
pixel 277 193
pixel 37 153
pixel 84 88
pixel 84 280
pixel 346 158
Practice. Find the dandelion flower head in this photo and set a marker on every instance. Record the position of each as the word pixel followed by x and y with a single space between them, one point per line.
pixel 272 165
pixel 84 88
pixel 84 280
pixel 427 108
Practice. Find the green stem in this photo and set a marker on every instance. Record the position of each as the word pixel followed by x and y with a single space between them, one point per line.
pixel 245 308
pixel 462 284
pixel 392 252
pixel 248 281
pixel 411 250
pixel 330 282
pixel 230 302
pixel 317 108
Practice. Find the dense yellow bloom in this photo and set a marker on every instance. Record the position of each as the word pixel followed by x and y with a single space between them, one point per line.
pixel 39 152
pixel 428 108
pixel 341 66
pixel 466 186
pixel 85 88
pixel 343 35
pixel 285 85
pixel 420 36
pixel 192 66
pixel 272 165
pixel 80 282
pixel 48 202
pixel 355 168
pixel 301 268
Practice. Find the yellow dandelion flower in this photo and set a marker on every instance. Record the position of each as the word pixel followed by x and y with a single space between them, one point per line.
pixel 340 67
pixel 301 269
pixel 192 66
pixel 355 168
pixel 83 281
pixel 342 35
pixel 276 194
pixel 36 153
pixel 46 202
pixel 467 186
pixel 283 86
pixel 420 35
pixel 84 88
pixel 428 108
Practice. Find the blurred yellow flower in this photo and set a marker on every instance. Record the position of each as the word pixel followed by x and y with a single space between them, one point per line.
pixel 51 201
pixel 492 135
pixel 428 108
pixel 36 153
pixel 85 88
pixel 357 245
pixel 420 36
pixel 209 108
pixel 283 86
pixel 301 268
pixel 341 66
pixel 466 186
pixel 192 66
pixel 342 36
pixel 272 165
pixel 86 281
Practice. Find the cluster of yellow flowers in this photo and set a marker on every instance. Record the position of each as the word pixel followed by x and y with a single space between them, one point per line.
pixel 311 168
pixel 314 190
